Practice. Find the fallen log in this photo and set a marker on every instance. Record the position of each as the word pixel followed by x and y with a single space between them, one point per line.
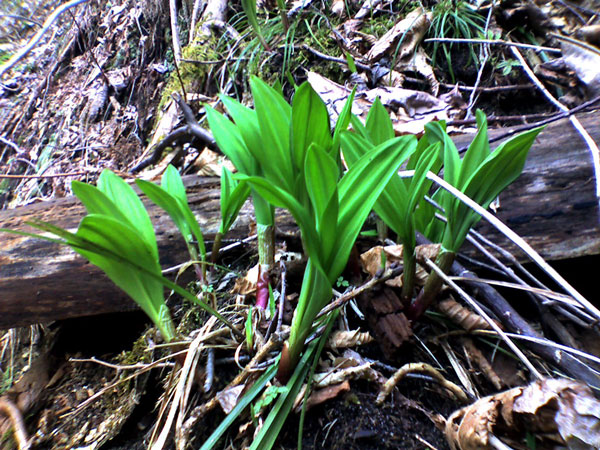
pixel 552 205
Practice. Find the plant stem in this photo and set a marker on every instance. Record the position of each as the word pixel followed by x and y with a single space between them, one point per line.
pixel 432 286
pixel 316 291
pixel 266 258
pixel 216 248
pixel 408 276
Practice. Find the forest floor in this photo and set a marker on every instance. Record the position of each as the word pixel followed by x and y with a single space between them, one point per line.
pixel 95 93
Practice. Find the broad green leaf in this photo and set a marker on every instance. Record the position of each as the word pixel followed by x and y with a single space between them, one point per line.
pixel 172 183
pixel 274 118
pixel 478 151
pixel 121 239
pixel 360 188
pixel 230 142
pixel 278 197
pixel 96 201
pixel 342 123
pixel 499 169
pixel 321 172
pixel 360 128
pixel 378 123
pixel 246 121
pixel 420 184
pixel 436 132
pixel 310 123
pixel 178 210
pixel 125 198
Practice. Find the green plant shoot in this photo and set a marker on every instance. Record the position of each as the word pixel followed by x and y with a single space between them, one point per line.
pixel 480 175
pixel 233 196
pixel 399 200
pixel 171 197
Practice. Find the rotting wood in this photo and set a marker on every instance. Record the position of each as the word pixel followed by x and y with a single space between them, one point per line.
pixel 552 206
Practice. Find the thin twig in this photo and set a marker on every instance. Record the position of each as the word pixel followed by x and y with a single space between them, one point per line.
pixel 484 54
pixel 282 297
pixel 390 273
pixel 55 175
pixel 35 39
pixel 466 297
pixel 175 30
pixel 546 342
pixel 594 150
pixel 538 48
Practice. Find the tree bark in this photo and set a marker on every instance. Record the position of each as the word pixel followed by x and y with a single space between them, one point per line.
pixel 552 205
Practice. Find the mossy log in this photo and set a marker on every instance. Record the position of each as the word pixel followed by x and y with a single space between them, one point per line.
pixel 552 205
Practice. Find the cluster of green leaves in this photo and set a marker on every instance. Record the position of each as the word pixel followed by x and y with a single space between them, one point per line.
pixel 400 198
pixel 481 175
pixel 299 170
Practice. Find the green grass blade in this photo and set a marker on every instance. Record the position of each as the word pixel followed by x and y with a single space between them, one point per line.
pixel 241 405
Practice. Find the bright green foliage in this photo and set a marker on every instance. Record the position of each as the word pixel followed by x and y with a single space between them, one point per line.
pixel 328 210
pixel 118 237
pixel 171 197
pixel 397 203
pixel 118 223
pixel 480 175
pixel 233 196
pixel 290 158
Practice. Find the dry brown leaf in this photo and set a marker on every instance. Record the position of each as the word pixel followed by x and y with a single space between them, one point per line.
pixel 328 393
pixel 338 7
pixel 349 339
pixel 585 63
pixel 462 316
pixel 411 30
pixel 246 285
pixel 228 398
pixel 556 411
pixel 210 163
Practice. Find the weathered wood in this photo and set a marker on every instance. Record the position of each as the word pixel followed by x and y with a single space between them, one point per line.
pixel 552 205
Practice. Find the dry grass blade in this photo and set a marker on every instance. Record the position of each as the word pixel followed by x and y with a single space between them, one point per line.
pixel 517 240
pixel 482 313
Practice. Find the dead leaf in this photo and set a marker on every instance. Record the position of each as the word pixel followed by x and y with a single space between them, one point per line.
pixel 348 339
pixel 228 398
pixel 246 285
pixel 557 411
pixel 411 30
pixel 585 63
pixel 328 393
